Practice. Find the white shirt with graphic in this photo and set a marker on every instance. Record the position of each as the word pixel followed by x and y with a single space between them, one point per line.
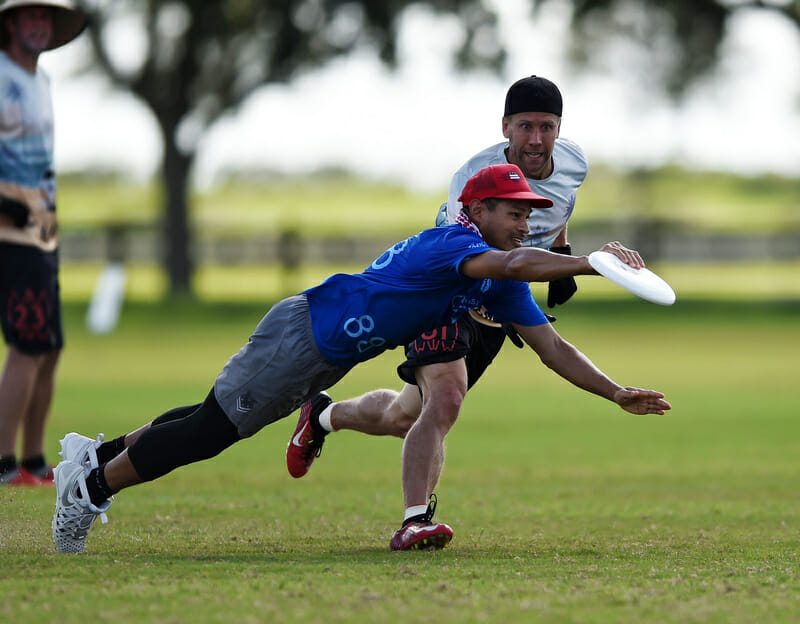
pixel 26 142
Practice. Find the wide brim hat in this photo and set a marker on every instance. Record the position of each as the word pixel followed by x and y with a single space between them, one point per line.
pixel 68 20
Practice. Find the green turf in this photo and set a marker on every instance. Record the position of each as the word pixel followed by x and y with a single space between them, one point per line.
pixel 565 508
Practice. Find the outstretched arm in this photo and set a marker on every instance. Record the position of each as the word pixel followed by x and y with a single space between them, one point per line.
pixel 575 367
pixel 531 264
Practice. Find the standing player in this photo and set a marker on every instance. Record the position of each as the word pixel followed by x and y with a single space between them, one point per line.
pixel 308 342
pixel 29 291
pixel 554 168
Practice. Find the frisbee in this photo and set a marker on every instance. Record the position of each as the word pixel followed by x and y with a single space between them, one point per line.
pixel 641 282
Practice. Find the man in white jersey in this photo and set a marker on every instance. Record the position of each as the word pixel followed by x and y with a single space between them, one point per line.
pixel 553 166
pixel 435 366
pixel 29 290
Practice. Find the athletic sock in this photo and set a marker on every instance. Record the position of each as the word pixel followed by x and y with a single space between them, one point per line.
pixel 109 450
pixel 325 419
pixel 96 483
pixel 8 463
pixel 35 464
pixel 415 513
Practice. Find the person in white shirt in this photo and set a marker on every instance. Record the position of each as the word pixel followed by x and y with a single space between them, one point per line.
pixel 29 289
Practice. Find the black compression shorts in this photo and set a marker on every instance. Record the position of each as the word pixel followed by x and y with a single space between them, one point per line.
pixel 30 299
pixel 466 338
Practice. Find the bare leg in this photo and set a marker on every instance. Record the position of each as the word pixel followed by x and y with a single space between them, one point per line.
pixel 120 473
pixel 380 412
pixel 35 419
pixel 444 387
pixel 131 437
pixel 16 389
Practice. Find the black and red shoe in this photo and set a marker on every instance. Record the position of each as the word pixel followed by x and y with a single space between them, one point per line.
pixel 422 533
pixel 21 476
pixel 306 443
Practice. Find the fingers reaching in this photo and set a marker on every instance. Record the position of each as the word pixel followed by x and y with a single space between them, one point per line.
pixel 630 257
pixel 638 401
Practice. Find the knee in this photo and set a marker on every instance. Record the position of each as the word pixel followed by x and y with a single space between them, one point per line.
pixel 444 404
pixel 452 397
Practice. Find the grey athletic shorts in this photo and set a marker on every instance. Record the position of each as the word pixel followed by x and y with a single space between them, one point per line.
pixel 277 370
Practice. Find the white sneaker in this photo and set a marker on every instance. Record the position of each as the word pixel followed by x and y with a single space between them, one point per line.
pixel 74 514
pixel 80 449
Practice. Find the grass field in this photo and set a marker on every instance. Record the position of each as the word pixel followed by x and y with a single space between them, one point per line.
pixel 565 508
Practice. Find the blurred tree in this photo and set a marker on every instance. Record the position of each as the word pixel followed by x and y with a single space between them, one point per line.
pixel 679 39
pixel 192 61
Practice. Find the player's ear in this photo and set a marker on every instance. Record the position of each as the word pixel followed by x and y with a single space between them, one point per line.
pixel 477 209
pixel 506 122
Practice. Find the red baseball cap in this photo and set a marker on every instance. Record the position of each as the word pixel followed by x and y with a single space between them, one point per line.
pixel 501 182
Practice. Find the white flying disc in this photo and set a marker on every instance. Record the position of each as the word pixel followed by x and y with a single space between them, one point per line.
pixel 641 282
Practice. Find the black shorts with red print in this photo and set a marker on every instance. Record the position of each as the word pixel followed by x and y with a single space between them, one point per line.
pixel 466 338
pixel 30 299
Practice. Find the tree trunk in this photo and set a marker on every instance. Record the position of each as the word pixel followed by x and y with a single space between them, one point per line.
pixel 177 240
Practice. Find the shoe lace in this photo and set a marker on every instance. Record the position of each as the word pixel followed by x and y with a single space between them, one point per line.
pixel 426 518
pixel 432 501
pixel 315 430
pixel 84 490
pixel 313 442
pixel 94 462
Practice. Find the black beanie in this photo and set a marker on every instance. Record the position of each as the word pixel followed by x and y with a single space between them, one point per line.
pixel 533 95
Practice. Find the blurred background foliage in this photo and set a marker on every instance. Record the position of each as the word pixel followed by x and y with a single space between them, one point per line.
pixel 342 223
pixel 338 204
pixel 201 60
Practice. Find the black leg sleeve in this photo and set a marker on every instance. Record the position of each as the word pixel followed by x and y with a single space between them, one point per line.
pixel 166 445
pixel 176 413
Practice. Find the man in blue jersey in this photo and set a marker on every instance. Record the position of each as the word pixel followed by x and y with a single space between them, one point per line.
pixel 308 342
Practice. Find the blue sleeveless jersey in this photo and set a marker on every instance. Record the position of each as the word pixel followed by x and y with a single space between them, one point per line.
pixel 413 287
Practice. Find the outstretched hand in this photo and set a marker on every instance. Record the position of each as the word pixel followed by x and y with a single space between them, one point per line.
pixel 630 257
pixel 638 401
